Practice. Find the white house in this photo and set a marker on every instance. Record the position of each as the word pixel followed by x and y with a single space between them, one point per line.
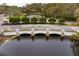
pixel 3 18
pixel 37 15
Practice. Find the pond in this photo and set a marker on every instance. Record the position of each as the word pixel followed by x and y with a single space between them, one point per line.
pixel 39 46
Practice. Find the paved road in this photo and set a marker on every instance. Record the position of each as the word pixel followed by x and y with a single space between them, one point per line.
pixel 39 26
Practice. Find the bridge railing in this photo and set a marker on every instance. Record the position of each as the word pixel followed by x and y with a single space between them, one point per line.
pixel 36 28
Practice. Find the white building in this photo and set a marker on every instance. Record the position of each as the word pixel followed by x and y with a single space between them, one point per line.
pixel 37 15
pixel 3 18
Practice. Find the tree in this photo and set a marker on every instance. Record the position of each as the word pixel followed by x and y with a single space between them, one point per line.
pixel 10 10
pixel 76 12
pixel 77 20
pixel 69 17
pixel 51 11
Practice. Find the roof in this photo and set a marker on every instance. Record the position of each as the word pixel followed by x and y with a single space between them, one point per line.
pixel 35 13
pixel 31 16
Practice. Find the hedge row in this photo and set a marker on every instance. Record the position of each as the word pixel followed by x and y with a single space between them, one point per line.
pixel 34 20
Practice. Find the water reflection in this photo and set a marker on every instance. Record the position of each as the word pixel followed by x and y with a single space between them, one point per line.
pixel 33 38
pixel 47 38
pixel 62 38
pixel 75 48
pixel 18 38
pixel 39 45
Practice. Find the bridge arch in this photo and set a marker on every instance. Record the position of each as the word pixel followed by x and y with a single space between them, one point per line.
pixel 40 34
pixel 25 34
pixel 54 35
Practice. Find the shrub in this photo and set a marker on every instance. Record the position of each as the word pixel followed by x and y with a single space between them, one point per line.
pixel 14 20
pixel 25 20
pixel 34 20
pixel 61 21
pixel 51 20
pixel 42 21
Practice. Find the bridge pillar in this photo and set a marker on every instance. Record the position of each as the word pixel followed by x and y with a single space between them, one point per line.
pixel 62 34
pixel 32 33
pixel 17 34
pixel 47 33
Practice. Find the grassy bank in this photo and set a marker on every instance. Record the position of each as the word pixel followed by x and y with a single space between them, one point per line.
pixel 75 36
pixel 4 38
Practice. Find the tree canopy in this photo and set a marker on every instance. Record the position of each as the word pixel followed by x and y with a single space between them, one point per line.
pixel 56 10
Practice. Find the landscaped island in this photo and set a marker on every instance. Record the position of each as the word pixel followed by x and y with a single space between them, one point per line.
pixel 40 13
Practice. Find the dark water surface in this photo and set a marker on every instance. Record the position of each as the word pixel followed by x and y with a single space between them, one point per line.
pixel 39 46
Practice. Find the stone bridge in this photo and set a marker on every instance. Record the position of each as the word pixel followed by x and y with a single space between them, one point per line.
pixel 33 32
pixel 37 29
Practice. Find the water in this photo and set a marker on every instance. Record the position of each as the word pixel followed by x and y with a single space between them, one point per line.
pixel 39 46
